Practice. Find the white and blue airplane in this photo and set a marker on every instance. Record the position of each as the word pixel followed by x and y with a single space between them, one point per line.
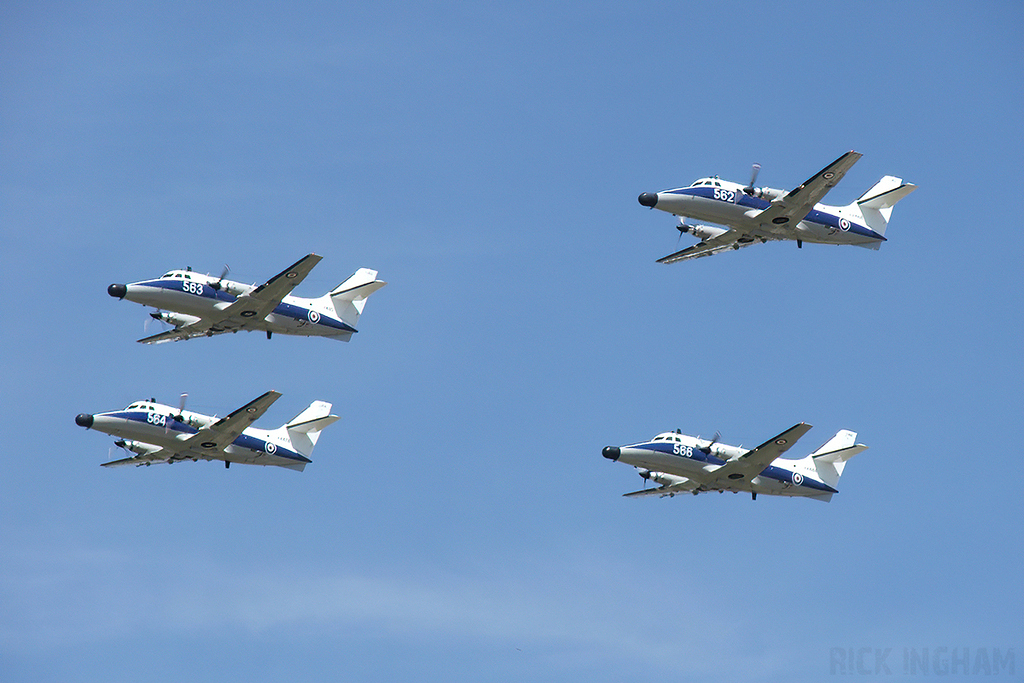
pixel 202 306
pixel 752 215
pixel 158 433
pixel 686 464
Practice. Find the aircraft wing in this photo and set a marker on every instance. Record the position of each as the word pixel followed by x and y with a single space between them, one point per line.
pixel 199 329
pixel 753 462
pixel 661 491
pixel 715 245
pixel 797 203
pixel 159 455
pixel 256 305
pixel 214 439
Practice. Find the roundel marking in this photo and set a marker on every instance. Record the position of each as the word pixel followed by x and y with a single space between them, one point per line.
pixel 208 444
pixel 271 448
pixel 314 317
pixel 798 478
pixel 250 409
pixel 780 442
pixel 247 314
pixel 844 224
pixel 292 275
pixel 828 175
pixel 780 220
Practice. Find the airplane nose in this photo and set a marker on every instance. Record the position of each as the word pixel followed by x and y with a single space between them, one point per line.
pixel 611 452
pixel 648 199
pixel 83 420
pixel 117 291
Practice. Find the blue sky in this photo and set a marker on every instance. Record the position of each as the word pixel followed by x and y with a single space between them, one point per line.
pixel 459 522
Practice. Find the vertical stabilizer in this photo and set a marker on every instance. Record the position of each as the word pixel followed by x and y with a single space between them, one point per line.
pixel 304 429
pixel 876 204
pixel 830 459
pixel 350 296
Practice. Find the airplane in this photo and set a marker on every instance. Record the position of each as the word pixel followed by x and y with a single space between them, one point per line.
pixel 687 464
pixel 158 433
pixel 201 306
pixel 751 215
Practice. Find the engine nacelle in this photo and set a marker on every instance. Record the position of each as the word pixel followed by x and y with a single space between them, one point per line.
pixel 662 478
pixel 768 193
pixel 136 447
pixel 176 319
pixel 703 232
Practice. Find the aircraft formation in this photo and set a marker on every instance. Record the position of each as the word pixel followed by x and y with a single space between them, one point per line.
pixel 203 306
pixel 199 305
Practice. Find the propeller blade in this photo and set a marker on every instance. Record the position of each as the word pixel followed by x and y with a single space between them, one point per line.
pixel 749 189
pixel 706 450
pixel 223 274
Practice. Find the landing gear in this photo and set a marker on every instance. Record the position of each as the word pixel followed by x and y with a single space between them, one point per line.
pixel 268 334
pixel 227 464
pixel 799 245
pixel 753 495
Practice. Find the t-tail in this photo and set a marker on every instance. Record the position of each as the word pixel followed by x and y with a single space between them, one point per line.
pixel 830 459
pixel 349 298
pixel 875 205
pixel 304 429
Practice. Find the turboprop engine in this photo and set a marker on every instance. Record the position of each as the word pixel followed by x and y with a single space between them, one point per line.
pixel 176 319
pixel 703 232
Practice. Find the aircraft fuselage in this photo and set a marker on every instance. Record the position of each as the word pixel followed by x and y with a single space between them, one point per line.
pixel 156 426
pixel 681 456
pixel 191 296
pixel 725 203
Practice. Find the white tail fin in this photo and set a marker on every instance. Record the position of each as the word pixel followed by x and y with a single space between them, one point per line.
pixel 876 204
pixel 304 429
pixel 350 296
pixel 830 459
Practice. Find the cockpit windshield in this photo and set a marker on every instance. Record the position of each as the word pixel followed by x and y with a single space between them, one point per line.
pixel 668 436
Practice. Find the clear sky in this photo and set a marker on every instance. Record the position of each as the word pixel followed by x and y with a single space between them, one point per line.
pixel 459 522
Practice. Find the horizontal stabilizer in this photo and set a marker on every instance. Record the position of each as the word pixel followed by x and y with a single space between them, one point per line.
pixel 830 460
pixel 349 298
pixel 885 193
pixel 841 455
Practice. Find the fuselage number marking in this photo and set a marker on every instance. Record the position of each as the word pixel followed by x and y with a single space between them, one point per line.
pixel 156 419
pixel 190 287
pixel 725 195
pixel 684 451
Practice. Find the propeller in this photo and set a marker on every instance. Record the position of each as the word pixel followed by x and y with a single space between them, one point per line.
pixel 750 189
pixel 223 274
pixel 706 450
pixel 179 417
pixel 117 444
pixel 156 315
pixel 682 227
